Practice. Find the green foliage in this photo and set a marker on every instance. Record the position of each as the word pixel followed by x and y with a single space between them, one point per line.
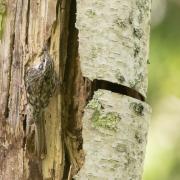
pixel 2 15
pixel 164 57
pixel 164 72
pixel 165 165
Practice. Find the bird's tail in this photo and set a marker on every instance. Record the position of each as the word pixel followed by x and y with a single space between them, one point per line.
pixel 40 139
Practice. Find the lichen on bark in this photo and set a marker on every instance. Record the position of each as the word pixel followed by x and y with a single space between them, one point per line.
pixel 115 137
pixel 113 49
pixel 100 119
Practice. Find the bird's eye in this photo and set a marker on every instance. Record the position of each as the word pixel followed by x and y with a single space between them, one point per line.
pixel 40 67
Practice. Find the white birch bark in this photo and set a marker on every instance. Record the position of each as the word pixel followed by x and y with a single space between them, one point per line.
pixel 114 39
pixel 115 134
pixel 113 46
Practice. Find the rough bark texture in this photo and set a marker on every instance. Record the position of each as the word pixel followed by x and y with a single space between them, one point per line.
pixel 26 27
pixel 113 47
pixel 115 135
pixel 114 37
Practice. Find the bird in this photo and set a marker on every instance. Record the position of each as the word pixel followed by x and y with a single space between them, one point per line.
pixel 40 83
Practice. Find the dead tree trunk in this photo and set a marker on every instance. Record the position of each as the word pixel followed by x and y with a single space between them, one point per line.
pixel 51 67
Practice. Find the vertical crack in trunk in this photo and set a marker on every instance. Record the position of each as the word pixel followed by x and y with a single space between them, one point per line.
pixel 27 21
pixel 76 91
pixel 11 61
pixel 12 39
pixel 6 112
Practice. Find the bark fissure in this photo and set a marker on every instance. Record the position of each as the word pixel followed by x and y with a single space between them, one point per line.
pixel 87 58
pixel 6 112
pixel 116 88
pixel 27 21
pixel 10 63
pixel 76 93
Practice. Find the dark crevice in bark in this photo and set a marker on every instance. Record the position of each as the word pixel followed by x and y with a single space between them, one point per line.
pixel 67 165
pixel 64 32
pixel 6 112
pixel 117 88
pixel 24 123
pixel 75 94
pixel 58 4
pixel 27 21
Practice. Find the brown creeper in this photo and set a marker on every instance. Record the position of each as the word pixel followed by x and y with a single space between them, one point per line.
pixel 40 83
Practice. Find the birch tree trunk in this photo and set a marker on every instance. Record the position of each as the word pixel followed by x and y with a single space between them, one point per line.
pixel 100 63
pixel 113 46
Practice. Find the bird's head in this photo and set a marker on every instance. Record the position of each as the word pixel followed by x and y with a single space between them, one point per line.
pixel 45 63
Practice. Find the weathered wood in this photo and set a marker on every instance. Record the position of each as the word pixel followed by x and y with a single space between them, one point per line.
pixel 113 41
pixel 27 27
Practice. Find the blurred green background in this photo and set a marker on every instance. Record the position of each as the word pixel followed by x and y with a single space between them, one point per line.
pixel 163 150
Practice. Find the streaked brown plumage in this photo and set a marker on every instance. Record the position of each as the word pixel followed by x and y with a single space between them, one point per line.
pixel 40 84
